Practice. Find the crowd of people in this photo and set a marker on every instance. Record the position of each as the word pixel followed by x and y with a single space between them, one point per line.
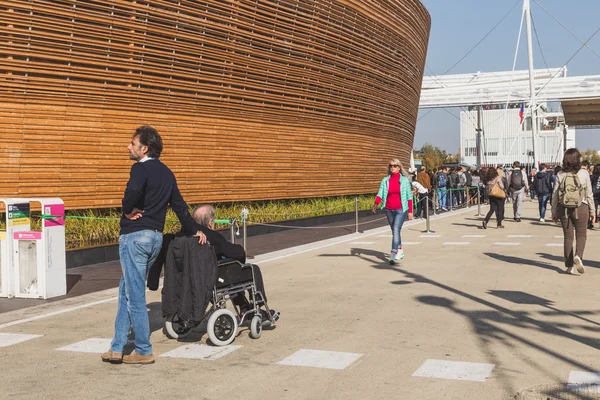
pixel 572 189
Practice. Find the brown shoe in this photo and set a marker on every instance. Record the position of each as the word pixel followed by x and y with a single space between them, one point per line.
pixel 500 226
pixel 112 357
pixel 135 358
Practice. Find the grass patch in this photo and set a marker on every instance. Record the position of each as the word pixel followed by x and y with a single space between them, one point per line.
pixel 94 227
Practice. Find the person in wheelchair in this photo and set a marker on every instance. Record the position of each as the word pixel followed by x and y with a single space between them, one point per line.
pixel 205 215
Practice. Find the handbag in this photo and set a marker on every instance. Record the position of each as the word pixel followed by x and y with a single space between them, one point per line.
pixel 497 191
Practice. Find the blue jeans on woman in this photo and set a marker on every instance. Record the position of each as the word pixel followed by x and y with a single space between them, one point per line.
pixel 396 219
pixel 137 251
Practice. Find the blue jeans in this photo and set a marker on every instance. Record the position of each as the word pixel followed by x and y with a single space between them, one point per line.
pixel 137 251
pixel 543 200
pixel 442 200
pixel 531 192
pixel 396 219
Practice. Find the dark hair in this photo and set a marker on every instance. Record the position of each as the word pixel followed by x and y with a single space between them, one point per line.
pixel 491 174
pixel 475 173
pixel 572 161
pixel 516 164
pixel 586 163
pixel 542 166
pixel 557 169
pixel 597 169
pixel 149 137
pixel 440 169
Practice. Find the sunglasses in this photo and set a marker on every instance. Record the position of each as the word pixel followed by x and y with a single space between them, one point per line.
pixel 394 166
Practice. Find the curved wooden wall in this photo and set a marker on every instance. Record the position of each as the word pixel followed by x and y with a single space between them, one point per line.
pixel 254 99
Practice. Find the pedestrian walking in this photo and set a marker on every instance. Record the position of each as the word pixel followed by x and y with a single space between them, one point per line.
pixel 517 187
pixel 595 179
pixel 542 185
pixel 496 188
pixel 150 189
pixel 395 197
pixel 572 204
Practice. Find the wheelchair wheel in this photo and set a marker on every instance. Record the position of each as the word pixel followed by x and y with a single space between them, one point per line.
pixel 256 327
pixel 176 328
pixel 222 327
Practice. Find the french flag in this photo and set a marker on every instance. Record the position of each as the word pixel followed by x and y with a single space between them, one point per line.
pixel 522 113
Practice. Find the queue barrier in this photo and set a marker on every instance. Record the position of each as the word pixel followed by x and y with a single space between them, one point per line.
pixel 33 263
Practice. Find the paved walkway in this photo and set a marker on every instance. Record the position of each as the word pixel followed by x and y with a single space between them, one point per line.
pixel 468 314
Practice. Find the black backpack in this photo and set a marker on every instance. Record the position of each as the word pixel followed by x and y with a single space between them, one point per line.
pixel 453 180
pixel 516 179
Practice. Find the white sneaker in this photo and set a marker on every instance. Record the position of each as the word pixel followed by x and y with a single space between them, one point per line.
pixel 542 220
pixel 578 263
pixel 399 255
pixel 570 271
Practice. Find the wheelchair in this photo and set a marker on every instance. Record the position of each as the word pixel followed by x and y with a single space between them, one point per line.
pixel 233 279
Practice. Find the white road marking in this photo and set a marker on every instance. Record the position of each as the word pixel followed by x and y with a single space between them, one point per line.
pixel 411 243
pixel 201 352
pixel 506 244
pixel 57 312
pixel 362 242
pixel 385 236
pixel 456 243
pixel 91 345
pixel 430 236
pixel 321 359
pixel 8 339
pixel 554 245
pixel 584 381
pixel 464 371
pixel 559 237
pixel 519 236
pixel 473 236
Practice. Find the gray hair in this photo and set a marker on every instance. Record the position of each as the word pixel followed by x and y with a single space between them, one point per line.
pixel 204 214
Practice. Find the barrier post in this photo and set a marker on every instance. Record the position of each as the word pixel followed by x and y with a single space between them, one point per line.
pixel 435 200
pixel 245 213
pixel 427 220
pixel 479 199
pixel 451 199
pixel 232 231
pixel 245 235
pixel 468 196
pixel 356 213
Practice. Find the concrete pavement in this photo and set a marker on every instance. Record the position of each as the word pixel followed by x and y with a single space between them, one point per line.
pixel 468 314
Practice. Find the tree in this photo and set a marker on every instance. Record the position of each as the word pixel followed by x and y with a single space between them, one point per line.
pixel 592 156
pixel 433 157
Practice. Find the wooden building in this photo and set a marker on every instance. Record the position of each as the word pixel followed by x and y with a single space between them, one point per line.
pixel 254 99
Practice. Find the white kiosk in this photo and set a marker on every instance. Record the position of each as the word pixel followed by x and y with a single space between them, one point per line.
pixel 16 219
pixel 36 265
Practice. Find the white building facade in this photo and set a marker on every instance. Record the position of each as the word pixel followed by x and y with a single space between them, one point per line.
pixel 505 140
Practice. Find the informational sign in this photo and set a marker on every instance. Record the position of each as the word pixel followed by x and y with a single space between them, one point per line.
pixel 27 235
pixel 18 214
pixel 55 210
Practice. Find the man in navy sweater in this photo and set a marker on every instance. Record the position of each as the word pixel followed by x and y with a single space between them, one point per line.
pixel 151 188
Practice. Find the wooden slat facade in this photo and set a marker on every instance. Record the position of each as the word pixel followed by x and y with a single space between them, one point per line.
pixel 254 99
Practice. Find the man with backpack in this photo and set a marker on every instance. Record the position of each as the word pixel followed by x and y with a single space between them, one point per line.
pixel 517 186
pixel 542 184
pixel 441 183
pixel 572 204
pixel 453 183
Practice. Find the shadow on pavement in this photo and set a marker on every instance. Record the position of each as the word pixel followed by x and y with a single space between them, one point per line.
pixel 491 323
pixel 525 261
pixel 561 259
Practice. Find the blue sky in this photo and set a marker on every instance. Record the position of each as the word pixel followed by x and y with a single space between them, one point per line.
pixel 457 25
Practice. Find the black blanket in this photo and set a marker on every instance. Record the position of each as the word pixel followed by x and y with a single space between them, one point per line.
pixel 190 276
